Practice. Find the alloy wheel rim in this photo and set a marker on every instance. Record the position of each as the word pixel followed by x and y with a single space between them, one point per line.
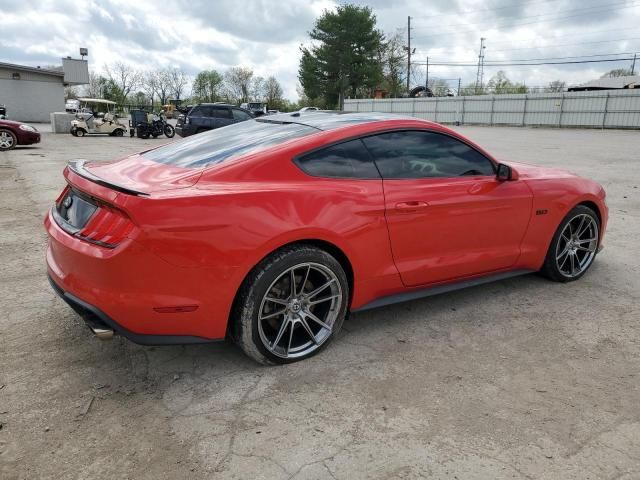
pixel 577 245
pixel 6 140
pixel 299 310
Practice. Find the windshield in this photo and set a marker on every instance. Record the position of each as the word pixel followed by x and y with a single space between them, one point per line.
pixel 225 143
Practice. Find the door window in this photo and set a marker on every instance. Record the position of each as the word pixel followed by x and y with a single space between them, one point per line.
pixel 421 154
pixel 344 160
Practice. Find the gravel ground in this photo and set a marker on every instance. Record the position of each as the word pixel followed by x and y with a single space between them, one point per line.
pixel 523 378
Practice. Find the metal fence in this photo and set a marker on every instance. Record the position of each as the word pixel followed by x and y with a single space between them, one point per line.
pixel 598 109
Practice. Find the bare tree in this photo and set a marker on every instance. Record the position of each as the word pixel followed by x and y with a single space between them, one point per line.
pixel 556 86
pixel 70 92
pixel 95 87
pixel 163 85
pixel 439 87
pixel 393 59
pixel 238 83
pixel 124 77
pixel 178 81
pixel 150 84
pixel 617 72
pixel 257 89
pixel 273 93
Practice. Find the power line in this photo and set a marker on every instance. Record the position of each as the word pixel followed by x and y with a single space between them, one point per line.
pixel 555 58
pixel 447 64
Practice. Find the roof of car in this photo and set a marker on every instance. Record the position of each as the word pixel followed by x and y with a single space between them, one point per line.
pixel 219 104
pixel 331 119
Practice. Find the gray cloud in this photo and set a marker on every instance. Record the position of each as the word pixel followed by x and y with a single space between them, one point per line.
pixel 265 34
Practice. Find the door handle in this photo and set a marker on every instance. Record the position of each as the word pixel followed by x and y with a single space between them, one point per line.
pixel 411 207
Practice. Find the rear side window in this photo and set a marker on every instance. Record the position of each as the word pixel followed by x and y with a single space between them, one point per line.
pixel 421 154
pixel 200 111
pixel 221 112
pixel 344 160
pixel 226 143
pixel 240 115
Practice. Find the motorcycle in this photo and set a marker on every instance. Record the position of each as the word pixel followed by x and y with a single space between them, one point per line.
pixel 155 126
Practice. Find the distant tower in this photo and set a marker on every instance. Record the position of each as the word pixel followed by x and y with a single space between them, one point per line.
pixel 480 73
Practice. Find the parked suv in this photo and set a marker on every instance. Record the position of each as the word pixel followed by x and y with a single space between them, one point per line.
pixel 207 116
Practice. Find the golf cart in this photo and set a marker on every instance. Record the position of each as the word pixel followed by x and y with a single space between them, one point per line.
pixel 89 121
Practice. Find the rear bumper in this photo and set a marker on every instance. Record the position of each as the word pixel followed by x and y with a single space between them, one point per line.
pixel 103 326
pixel 185 130
pixel 135 293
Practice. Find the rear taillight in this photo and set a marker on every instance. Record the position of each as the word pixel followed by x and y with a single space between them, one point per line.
pixel 107 227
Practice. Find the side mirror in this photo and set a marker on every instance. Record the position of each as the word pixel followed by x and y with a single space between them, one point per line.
pixel 505 173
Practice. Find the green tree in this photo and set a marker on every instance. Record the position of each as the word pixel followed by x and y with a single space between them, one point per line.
pixel 345 57
pixel 208 86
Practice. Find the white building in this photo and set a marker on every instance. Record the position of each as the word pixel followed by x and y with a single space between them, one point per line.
pixel 32 93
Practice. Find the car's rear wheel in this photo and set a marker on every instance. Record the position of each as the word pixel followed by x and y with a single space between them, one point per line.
pixel 291 305
pixel 8 140
pixel 574 246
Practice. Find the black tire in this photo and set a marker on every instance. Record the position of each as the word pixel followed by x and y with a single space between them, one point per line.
pixel 8 140
pixel 80 132
pixel 73 131
pixel 245 315
pixel 118 133
pixel 550 268
pixel 169 131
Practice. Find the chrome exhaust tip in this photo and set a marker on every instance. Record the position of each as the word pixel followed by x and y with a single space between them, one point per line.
pixel 102 333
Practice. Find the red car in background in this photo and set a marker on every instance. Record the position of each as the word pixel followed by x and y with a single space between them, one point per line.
pixel 16 133
pixel 269 231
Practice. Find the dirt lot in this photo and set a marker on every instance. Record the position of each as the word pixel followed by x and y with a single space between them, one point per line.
pixel 523 378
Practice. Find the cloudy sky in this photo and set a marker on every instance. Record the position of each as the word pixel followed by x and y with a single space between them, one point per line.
pixel 266 34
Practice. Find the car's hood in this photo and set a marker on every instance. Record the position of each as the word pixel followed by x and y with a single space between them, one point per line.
pixel 140 174
pixel 11 123
pixel 527 171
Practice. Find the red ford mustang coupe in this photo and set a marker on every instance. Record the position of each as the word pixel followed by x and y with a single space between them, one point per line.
pixel 271 230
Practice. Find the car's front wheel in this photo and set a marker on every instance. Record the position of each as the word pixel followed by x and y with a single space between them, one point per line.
pixel 574 246
pixel 8 140
pixel 291 305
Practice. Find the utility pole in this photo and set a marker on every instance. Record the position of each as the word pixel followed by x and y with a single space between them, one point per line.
pixel 459 81
pixel 480 72
pixel 426 82
pixel 408 47
pixel 633 65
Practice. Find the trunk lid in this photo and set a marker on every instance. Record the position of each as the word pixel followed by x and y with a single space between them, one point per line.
pixel 137 175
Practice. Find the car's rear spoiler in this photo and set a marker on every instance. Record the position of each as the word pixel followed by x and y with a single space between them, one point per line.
pixel 77 167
